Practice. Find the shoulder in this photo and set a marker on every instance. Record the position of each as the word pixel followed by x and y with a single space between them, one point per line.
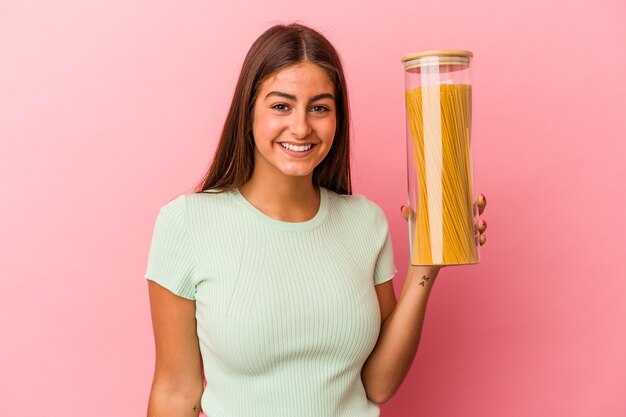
pixel 175 204
pixel 171 218
pixel 358 206
pixel 193 201
pixel 199 212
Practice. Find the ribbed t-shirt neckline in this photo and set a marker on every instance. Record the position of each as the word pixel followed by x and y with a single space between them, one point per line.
pixel 289 226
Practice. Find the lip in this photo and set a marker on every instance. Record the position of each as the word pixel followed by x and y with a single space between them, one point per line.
pixel 298 143
pixel 294 153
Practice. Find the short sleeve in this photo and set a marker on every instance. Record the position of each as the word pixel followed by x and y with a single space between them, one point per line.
pixel 385 268
pixel 170 259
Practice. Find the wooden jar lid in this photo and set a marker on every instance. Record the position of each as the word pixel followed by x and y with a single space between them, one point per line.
pixel 445 57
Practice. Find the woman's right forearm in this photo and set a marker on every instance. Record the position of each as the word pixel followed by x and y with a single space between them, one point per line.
pixel 166 402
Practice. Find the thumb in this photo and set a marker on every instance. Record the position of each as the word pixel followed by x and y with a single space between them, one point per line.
pixel 404 212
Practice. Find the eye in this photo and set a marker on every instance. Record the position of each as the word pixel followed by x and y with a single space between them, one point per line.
pixel 320 109
pixel 281 107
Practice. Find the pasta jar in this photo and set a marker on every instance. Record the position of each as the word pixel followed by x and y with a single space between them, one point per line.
pixel 438 98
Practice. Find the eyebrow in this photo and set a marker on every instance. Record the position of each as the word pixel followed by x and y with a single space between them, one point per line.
pixel 293 98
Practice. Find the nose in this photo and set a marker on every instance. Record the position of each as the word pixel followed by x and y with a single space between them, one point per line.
pixel 300 126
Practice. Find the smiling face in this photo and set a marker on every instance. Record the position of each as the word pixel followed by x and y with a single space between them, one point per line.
pixel 294 121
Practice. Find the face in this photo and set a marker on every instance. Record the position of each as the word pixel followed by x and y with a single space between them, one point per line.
pixel 294 121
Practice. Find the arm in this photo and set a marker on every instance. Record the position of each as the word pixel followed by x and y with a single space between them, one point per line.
pixel 391 359
pixel 401 327
pixel 178 382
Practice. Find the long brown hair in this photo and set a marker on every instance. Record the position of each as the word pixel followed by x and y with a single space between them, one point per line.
pixel 278 47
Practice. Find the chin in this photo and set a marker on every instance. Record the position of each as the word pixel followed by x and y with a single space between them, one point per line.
pixel 299 172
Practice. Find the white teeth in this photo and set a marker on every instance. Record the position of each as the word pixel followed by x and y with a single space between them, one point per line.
pixel 296 148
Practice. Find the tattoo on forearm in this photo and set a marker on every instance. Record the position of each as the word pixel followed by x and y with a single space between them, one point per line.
pixel 423 281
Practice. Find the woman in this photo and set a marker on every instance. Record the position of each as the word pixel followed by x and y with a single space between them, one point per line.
pixel 273 279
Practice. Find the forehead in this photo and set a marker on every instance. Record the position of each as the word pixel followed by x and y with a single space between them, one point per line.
pixel 302 76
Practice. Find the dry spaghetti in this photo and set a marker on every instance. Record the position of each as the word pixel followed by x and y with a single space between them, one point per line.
pixel 439 120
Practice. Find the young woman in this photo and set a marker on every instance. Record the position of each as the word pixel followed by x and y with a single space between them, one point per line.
pixel 273 281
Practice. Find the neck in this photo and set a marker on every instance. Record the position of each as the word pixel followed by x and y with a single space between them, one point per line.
pixel 292 199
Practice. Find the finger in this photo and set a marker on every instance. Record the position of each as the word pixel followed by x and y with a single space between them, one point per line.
pixel 406 211
pixel 480 239
pixel 480 226
pixel 481 202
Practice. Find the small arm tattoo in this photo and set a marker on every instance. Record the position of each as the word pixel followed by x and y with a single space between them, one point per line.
pixel 423 281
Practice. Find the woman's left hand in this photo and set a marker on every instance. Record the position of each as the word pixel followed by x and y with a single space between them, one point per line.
pixel 480 226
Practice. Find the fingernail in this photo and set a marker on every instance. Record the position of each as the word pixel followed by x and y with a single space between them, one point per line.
pixel 484 198
pixel 484 223
pixel 401 208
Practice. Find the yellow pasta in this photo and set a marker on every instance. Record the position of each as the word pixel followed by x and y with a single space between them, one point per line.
pixel 439 120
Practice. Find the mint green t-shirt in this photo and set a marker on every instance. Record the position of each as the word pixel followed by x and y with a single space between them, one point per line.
pixel 286 312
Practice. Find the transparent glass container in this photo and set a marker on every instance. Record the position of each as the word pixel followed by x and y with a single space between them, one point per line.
pixel 438 99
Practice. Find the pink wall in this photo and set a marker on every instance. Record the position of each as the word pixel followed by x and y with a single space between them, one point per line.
pixel 109 109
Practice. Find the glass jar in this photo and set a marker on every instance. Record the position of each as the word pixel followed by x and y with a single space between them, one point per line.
pixel 438 98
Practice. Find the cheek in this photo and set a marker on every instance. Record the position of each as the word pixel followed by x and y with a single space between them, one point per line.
pixel 330 129
pixel 266 127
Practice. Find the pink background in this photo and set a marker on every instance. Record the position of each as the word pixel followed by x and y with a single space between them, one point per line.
pixel 109 109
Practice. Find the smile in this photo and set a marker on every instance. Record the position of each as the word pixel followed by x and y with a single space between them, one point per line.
pixel 295 148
